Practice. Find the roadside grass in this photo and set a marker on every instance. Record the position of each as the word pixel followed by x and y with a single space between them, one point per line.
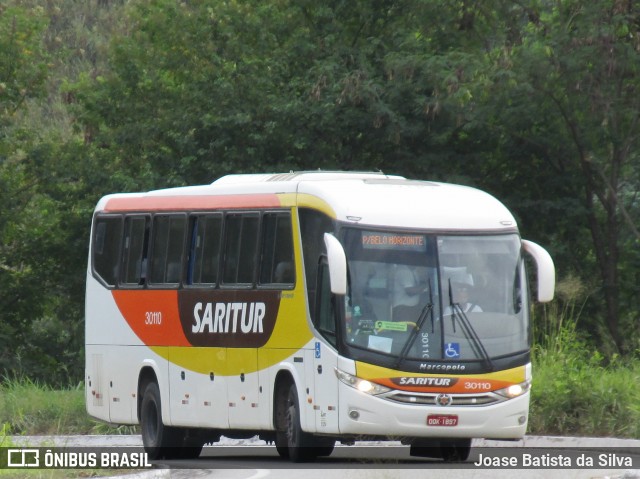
pixel 575 392
pixel 28 408
pixel 31 409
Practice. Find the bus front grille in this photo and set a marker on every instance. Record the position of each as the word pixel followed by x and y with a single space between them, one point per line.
pixel 430 399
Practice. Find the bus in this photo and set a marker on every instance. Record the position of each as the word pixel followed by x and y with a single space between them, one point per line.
pixel 310 308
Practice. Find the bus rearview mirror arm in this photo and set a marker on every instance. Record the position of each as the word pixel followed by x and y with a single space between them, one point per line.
pixel 546 270
pixel 337 264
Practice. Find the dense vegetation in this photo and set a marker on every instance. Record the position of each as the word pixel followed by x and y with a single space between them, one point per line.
pixel 537 102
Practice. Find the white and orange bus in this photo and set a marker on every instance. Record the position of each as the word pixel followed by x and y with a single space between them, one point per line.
pixel 310 308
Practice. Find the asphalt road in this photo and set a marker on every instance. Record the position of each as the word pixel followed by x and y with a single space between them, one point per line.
pixel 532 457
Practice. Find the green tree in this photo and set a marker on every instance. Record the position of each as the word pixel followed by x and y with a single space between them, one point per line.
pixel 535 102
pixel 573 73
pixel 23 70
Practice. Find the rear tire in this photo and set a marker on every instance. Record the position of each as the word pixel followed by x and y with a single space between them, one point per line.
pixel 154 433
pixel 162 441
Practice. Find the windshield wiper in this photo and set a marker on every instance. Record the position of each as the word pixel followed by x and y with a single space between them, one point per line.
pixel 469 331
pixel 427 310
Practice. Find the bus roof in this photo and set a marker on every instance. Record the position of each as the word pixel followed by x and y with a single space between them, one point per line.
pixel 367 198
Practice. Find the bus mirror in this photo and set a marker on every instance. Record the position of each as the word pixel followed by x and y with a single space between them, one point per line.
pixel 546 270
pixel 337 264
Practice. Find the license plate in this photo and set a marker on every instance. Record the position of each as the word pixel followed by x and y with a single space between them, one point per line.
pixel 442 420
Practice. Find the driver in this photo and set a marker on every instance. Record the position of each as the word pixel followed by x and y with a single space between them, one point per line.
pixel 461 293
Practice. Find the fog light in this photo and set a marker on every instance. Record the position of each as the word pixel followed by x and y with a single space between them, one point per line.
pixel 353 414
pixel 522 420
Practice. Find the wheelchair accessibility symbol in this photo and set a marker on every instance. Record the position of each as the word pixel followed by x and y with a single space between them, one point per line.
pixel 452 350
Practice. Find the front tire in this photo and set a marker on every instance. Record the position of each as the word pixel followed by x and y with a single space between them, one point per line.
pixel 299 443
pixel 456 451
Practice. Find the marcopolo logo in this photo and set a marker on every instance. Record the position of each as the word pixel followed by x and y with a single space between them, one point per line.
pixel 243 319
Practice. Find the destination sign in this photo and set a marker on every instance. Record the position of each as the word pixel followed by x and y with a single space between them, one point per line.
pixel 394 241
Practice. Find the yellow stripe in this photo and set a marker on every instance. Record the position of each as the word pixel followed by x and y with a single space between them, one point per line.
pixel 369 371
pixel 287 199
pixel 306 200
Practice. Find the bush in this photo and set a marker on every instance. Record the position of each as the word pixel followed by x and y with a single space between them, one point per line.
pixel 576 390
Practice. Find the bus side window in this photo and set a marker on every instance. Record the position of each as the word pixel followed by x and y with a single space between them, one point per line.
pixel 134 255
pixel 106 248
pixel 204 255
pixel 277 264
pixel 313 226
pixel 241 246
pixel 167 249
pixel 325 319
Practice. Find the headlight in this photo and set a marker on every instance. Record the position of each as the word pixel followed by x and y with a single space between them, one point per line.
pixel 361 385
pixel 515 390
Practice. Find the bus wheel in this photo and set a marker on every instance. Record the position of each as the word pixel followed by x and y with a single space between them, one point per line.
pixel 299 443
pixel 282 444
pixel 190 447
pixel 456 450
pixel 154 433
pixel 162 441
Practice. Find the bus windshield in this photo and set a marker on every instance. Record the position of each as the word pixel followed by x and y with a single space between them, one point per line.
pixel 425 297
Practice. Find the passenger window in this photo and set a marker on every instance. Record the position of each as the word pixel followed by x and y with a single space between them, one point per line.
pixel 277 264
pixel 134 260
pixel 241 245
pixel 106 248
pixel 167 249
pixel 204 257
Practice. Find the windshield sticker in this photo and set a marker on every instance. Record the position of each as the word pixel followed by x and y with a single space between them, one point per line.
pixel 380 343
pixel 392 325
pixel 452 350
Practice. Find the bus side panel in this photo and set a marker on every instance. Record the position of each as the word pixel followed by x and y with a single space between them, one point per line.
pixel 243 389
pixel 197 399
pixel 96 383
pixel 108 363
pixel 211 408
pixel 122 383
pixel 324 361
pixel 104 323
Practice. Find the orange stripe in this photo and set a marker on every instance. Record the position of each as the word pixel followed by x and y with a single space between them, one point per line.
pixel 462 385
pixel 191 202
pixel 152 315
